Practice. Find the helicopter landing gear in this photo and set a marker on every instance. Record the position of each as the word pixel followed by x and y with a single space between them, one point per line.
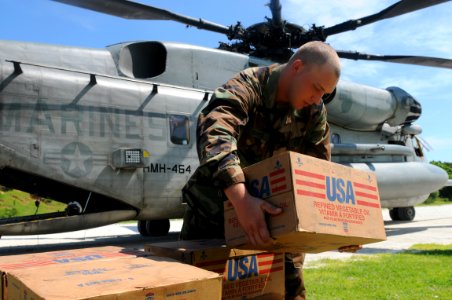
pixel 402 213
pixel 73 208
pixel 153 227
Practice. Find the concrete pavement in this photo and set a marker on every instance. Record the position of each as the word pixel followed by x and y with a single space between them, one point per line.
pixel 433 224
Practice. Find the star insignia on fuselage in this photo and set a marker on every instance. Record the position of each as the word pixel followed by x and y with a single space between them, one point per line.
pixel 77 159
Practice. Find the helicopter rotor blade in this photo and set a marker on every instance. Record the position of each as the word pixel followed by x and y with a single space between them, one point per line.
pixel 137 11
pixel 401 59
pixel 397 9
pixel 275 7
pixel 424 143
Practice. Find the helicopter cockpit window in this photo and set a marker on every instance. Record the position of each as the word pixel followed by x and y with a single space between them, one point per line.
pixel 179 129
pixel 335 138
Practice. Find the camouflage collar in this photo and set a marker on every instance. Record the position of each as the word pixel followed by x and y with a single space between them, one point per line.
pixel 271 88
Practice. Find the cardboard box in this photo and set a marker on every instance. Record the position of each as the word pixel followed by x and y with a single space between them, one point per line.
pixel 26 261
pixel 122 278
pixel 326 205
pixel 247 274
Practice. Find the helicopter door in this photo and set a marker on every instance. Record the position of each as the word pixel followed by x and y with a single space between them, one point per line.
pixel 170 166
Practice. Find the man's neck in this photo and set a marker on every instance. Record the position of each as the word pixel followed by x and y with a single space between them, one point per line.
pixel 282 94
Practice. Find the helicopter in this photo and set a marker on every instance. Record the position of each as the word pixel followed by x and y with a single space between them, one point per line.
pixel 112 132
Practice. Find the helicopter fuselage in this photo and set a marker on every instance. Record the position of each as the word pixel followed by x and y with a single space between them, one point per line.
pixel 115 130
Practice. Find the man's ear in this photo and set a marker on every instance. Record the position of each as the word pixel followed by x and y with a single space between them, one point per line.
pixel 296 66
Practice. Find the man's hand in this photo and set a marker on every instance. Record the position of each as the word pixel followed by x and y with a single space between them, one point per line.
pixel 251 213
pixel 351 248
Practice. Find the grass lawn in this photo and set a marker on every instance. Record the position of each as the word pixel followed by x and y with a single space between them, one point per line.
pixel 16 203
pixel 437 201
pixel 423 272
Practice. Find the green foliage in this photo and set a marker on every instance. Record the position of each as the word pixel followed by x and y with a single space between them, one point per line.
pixel 444 195
pixel 9 212
pixel 432 198
pixel 447 166
pixel 14 203
pixel 446 192
pixel 437 198
pixel 423 272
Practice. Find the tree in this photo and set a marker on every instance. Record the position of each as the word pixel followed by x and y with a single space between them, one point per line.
pixel 446 166
pixel 445 192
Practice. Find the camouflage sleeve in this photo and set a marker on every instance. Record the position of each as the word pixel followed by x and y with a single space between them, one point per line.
pixel 219 126
pixel 318 137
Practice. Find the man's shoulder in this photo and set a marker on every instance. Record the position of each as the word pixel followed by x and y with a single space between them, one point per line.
pixel 251 76
pixel 248 83
pixel 256 74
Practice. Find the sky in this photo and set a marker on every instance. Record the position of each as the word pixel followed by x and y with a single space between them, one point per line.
pixel 426 32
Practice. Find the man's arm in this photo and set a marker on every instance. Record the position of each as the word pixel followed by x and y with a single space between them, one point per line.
pixel 317 139
pixel 217 134
pixel 251 213
pixel 219 127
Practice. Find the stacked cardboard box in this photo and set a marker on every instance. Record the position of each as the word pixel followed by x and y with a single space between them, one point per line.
pixel 36 260
pixel 326 205
pixel 246 274
pixel 104 273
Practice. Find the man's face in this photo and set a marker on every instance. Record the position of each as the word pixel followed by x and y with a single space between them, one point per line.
pixel 309 83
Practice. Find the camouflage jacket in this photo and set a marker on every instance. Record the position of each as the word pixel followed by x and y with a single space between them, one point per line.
pixel 243 124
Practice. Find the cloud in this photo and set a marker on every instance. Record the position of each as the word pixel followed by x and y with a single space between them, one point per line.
pixel 425 32
pixel 331 12
pixel 328 13
pixel 421 32
pixel 421 83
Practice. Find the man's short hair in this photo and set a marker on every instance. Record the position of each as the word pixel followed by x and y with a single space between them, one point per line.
pixel 317 53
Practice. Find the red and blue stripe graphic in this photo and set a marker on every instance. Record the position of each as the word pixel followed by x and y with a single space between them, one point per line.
pixel 313 185
pixel 278 180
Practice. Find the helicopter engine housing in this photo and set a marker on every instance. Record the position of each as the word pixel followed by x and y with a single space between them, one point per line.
pixel 365 108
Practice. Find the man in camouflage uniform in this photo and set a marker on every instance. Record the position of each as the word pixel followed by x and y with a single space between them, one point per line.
pixel 256 114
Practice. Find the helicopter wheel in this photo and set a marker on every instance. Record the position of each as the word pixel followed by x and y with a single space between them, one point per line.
pixel 142 228
pixel 394 214
pixel 154 227
pixel 406 213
